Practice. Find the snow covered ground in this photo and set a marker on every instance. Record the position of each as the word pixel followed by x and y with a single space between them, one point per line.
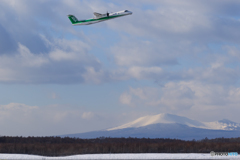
pixel 122 156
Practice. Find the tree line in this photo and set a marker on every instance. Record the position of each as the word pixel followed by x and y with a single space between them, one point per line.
pixel 57 146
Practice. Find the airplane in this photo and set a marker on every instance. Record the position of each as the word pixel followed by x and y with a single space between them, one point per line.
pixel 98 17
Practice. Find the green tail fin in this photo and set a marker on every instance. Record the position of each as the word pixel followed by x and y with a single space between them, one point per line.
pixel 73 19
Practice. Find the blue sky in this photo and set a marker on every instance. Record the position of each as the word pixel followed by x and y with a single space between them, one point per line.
pixel 178 57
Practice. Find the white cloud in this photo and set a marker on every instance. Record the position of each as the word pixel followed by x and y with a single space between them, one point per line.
pixel 166 17
pixel 132 52
pixel 17 106
pixel 87 115
pixel 139 92
pixel 233 52
pixel 144 72
pixel 27 59
pixel 59 55
pixel 40 57
pixel 126 99
pixel 185 96
pixel 15 112
pixel 52 67
pixel 176 97
pixel 53 95
pixel 137 97
pixel 18 119
pixel 95 76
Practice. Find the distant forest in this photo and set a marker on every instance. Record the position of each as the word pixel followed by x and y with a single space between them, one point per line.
pixel 57 146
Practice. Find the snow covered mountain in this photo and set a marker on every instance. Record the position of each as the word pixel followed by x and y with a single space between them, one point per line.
pixel 170 118
pixel 168 126
pixel 160 118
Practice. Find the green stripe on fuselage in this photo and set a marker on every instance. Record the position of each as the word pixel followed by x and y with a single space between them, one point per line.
pixel 100 19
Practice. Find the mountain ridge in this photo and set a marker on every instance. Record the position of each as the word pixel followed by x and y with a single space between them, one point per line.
pixel 167 126
pixel 167 118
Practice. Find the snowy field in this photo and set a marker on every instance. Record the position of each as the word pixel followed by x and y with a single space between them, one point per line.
pixel 121 156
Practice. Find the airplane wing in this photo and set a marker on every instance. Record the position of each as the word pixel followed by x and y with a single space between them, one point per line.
pixel 97 14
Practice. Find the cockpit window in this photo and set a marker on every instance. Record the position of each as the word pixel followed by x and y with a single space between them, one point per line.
pixel 126 10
